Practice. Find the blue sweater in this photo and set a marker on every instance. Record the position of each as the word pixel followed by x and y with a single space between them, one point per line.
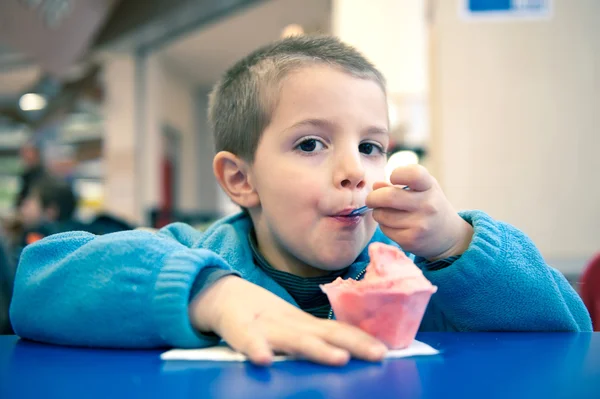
pixel 132 289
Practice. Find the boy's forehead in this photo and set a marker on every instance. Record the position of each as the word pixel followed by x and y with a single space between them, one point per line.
pixel 322 88
pixel 311 73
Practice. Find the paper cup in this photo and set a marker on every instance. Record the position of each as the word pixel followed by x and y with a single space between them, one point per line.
pixel 392 317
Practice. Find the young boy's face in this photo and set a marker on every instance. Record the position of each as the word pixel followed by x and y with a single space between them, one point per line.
pixel 31 210
pixel 316 161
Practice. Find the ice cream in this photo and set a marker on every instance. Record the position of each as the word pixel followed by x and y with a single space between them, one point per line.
pixel 389 302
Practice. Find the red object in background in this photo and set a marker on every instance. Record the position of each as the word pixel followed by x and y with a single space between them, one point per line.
pixel 171 153
pixel 590 290
pixel 33 237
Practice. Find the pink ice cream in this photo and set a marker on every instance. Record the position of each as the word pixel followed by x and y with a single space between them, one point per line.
pixel 389 302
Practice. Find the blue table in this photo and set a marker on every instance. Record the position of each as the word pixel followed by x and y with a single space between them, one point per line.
pixel 484 365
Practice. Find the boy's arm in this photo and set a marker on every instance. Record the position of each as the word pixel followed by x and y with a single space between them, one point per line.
pixel 134 289
pixel 501 283
pixel 128 289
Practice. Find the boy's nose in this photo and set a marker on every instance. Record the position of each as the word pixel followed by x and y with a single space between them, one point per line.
pixel 350 173
pixel 353 183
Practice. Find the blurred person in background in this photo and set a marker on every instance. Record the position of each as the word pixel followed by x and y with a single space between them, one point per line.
pixel 47 206
pixel 33 170
pixel 50 208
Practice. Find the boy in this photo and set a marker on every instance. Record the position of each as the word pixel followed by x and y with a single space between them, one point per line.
pixel 301 133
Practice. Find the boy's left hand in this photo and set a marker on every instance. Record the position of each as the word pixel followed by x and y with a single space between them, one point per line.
pixel 421 220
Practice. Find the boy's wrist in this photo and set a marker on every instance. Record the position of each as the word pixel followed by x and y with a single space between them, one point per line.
pixel 207 277
pixel 465 233
pixel 204 310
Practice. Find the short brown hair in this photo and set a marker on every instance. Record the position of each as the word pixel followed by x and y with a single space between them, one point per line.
pixel 240 106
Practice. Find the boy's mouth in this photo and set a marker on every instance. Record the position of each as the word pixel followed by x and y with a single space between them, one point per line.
pixel 344 219
pixel 346 212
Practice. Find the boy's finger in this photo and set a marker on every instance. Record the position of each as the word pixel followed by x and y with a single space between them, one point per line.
pixel 360 344
pixel 394 197
pixel 310 347
pixel 410 240
pixel 253 345
pixel 392 218
pixel 414 176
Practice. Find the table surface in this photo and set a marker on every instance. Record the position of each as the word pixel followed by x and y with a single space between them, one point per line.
pixel 478 365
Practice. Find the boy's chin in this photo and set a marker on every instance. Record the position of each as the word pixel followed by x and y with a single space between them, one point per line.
pixel 333 263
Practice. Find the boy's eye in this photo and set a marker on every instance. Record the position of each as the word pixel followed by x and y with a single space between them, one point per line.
pixel 370 149
pixel 310 145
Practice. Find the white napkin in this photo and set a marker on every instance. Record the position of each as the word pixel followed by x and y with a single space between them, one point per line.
pixel 223 353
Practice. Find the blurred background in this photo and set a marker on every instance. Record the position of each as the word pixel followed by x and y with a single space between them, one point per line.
pixel 500 99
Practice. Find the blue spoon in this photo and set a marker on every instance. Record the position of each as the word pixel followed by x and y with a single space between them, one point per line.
pixel 365 209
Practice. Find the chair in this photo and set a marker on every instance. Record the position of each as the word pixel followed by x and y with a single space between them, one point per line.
pixel 590 290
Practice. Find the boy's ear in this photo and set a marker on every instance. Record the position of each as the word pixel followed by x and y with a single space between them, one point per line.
pixel 232 173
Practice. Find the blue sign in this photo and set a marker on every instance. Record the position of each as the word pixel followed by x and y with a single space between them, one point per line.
pixel 507 8
pixel 489 5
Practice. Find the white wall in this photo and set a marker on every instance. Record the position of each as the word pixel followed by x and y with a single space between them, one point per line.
pixel 121 183
pixel 392 34
pixel 178 111
pixel 152 114
pixel 517 115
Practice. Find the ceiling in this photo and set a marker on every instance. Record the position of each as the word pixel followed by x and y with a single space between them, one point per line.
pixel 199 54
pixel 204 55
pixel 14 82
pixel 31 49
pixel 54 34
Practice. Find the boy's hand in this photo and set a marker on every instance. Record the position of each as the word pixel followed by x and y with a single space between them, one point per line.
pixel 420 220
pixel 258 323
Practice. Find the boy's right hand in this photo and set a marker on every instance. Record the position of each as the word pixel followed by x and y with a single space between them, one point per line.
pixel 258 323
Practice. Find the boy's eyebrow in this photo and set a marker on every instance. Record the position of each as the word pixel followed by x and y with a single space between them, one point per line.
pixel 378 130
pixel 322 123
pixel 325 124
